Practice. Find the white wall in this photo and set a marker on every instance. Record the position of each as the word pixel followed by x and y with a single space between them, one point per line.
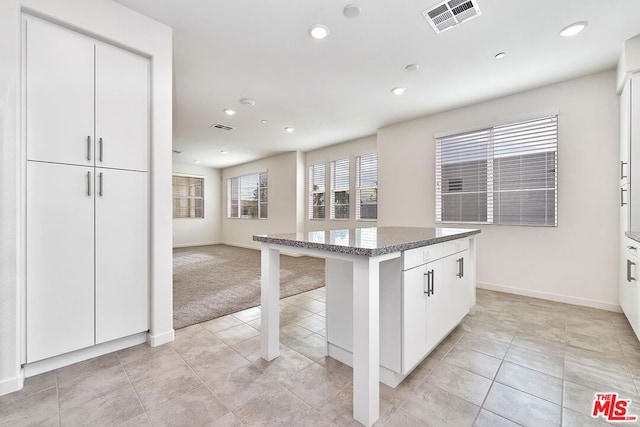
pixel 201 231
pixel 112 22
pixel 283 200
pixel 575 262
pixel 349 149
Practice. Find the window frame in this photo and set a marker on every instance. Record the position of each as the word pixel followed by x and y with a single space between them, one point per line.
pixel 258 194
pixel 542 144
pixel 188 198
pixel 332 189
pixel 312 192
pixel 359 188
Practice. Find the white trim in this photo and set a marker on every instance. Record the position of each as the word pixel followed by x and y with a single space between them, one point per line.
pixel 258 247
pixel 156 340
pixel 188 175
pixel 10 385
pixel 46 365
pixel 551 297
pixel 506 121
pixel 186 245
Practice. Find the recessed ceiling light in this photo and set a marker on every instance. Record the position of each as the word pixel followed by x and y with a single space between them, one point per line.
pixel 351 10
pixel 289 129
pixel 247 101
pixel 500 55
pixel 263 121
pixel 229 111
pixel 318 31
pixel 573 29
pixel 398 90
pixel 196 161
pixel 224 151
pixel 412 67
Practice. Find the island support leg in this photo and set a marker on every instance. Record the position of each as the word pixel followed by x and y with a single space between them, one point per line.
pixel 270 300
pixel 366 340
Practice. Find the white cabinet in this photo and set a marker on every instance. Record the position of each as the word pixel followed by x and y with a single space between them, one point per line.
pixel 87 255
pixel 629 294
pixel 625 133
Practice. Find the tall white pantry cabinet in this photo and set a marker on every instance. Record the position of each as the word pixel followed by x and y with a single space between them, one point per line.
pixel 87 190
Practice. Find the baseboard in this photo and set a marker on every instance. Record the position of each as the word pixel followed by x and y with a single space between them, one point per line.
pixel 257 248
pixel 188 245
pixel 550 296
pixel 156 340
pixel 46 365
pixel 12 384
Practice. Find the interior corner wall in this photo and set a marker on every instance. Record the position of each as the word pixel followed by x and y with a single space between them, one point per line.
pixel 324 155
pixel 200 231
pixel 300 192
pixel 109 21
pixel 282 200
pixel 575 262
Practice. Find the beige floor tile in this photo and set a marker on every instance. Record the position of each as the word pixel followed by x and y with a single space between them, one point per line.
pixel 315 419
pixel 31 385
pixel 111 408
pixel 237 334
pixel 314 346
pixel 88 367
pixel 314 323
pixel 224 322
pixel 495 332
pixel 248 314
pixel 537 343
pixel 437 407
pixel 218 364
pixel 292 332
pixel 399 418
pixel 197 408
pixel 316 385
pixel 161 386
pixel 459 382
pixel 483 345
pixel 578 398
pixel 141 420
pixel 603 378
pixel 194 343
pixel 603 344
pixel 140 351
pixel 74 393
pixel 550 333
pixel 473 361
pixel 574 419
pixel 545 363
pixel 521 407
pixel 242 386
pixel 533 382
pixel 339 409
pixel 489 419
pixel 34 409
pixel 289 362
pixel 154 363
pixel 280 408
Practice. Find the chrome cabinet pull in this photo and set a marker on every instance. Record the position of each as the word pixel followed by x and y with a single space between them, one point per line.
pixel 629 264
pixel 633 248
pixel 433 281
pixel 88 183
pixel 100 184
pixel 88 147
pixel 427 281
pixel 622 202
pixel 100 144
pixel 622 175
pixel 460 268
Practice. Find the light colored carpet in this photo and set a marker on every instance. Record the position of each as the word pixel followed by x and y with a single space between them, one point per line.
pixel 211 281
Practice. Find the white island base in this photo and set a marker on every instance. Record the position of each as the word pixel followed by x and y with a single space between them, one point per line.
pixel 393 293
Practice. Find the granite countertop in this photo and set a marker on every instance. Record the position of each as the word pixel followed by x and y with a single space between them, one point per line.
pixel 372 241
pixel 635 235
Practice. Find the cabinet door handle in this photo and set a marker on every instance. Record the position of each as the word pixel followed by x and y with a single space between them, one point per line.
pixel 629 264
pixel 100 184
pixel 433 281
pixel 88 183
pixel 622 175
pixel 622 202
pixel 461 267
pixel 88 147
pixel 100 145
pixel 633 248
pixel 427 283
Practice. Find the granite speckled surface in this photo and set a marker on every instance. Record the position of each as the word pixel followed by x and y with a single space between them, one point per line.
pixel 372 241
pixel 633 235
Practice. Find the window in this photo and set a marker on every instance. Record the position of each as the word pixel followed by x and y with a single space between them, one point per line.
pixel 316 191
pixel 367 187
pixel 501 175
pixel 188 199
pixel 247 196
pixel 340 189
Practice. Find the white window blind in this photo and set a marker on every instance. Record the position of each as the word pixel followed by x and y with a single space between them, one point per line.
pixel 500 175
pixel 317 191
pixel 340 189
pixel 188 196
pixel 247 196
pixel 367 187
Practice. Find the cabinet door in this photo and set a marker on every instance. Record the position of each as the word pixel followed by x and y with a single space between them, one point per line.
pixel 629 294
pixel 122 109
pixel 59 268
pixel 59 93
pixel 122 254
pixel 414 313
pixel 449 300
pixel 625 133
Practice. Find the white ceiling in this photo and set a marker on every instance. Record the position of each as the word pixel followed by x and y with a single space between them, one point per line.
pixel 338 89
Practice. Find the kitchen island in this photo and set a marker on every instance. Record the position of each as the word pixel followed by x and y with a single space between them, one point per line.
pixel 404 287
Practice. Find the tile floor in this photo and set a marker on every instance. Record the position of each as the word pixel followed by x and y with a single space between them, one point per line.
pixel 516 361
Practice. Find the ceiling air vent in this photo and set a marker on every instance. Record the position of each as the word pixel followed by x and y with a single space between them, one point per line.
pixel 448 14
pixel 221 126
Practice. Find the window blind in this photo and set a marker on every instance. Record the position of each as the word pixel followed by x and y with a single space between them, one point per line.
pixel 247 196
pixel 500 175
pixel 188 199
pixel 340 189
pixel 317 191
pixel 367 186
